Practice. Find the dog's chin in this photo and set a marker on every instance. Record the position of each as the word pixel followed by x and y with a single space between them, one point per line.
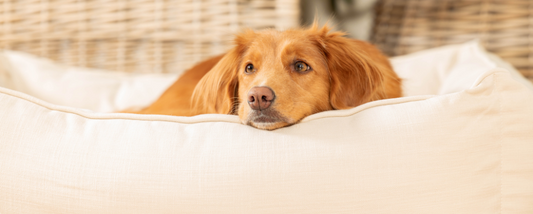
pixel 268 125
pixel 267 119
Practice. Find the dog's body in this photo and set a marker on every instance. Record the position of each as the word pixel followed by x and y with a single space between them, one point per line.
pixel 272 79
pixel 176 100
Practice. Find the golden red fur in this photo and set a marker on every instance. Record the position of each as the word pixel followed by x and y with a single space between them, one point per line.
pixel 303 71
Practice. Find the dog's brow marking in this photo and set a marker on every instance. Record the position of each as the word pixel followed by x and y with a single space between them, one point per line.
pixel 282 47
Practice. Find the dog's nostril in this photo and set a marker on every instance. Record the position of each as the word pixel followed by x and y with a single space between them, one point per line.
pixel 264 98
pixel 251 99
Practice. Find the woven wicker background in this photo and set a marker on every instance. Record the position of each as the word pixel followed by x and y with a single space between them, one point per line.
pixel 135 35
pixel 504 27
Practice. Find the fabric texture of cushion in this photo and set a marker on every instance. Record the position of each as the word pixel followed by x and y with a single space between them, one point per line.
pixel 461 141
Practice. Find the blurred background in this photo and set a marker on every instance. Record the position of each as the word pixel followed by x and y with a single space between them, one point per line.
pixel 161 36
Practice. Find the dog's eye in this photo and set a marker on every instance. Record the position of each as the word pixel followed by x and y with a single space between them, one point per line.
pixel 301 67
pixel 249 69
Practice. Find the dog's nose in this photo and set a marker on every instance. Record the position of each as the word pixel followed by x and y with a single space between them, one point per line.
pixel 260 97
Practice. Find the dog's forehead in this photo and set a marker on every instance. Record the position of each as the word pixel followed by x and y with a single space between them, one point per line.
pixel 273 42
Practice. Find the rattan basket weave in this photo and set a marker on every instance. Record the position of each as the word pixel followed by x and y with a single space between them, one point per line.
pixel 135 35
pixel 504 27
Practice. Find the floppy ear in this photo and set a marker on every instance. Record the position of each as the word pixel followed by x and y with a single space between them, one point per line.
pixel 357 69
pixel 216 93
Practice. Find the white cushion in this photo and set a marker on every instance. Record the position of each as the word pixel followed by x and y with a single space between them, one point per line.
pixel 86 88
pixel 461 142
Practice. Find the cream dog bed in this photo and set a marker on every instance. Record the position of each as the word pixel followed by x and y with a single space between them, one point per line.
pixel 461 141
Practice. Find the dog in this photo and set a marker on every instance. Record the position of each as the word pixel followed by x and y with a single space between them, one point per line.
pixel 272 79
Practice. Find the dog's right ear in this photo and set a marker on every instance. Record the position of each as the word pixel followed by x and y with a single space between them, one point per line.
pixel 216 93
pixel 359 72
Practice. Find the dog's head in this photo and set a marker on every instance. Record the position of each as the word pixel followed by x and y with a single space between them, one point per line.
pixel 272 79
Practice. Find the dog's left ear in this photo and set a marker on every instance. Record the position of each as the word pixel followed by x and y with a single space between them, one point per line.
pixel 216 93
pixel 359 72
